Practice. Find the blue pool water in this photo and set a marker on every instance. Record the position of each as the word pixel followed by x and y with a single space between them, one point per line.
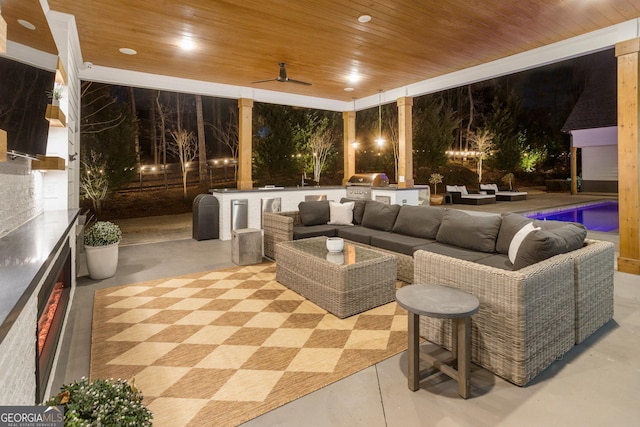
pixel 602 216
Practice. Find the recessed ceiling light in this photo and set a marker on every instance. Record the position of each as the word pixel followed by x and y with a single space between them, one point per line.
pixel 128 51
pixel 187 43
pixel 348 89
pixel 364 18
pixel 26 24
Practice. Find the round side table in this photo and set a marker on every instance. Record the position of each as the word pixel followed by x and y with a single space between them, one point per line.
pixel 447 303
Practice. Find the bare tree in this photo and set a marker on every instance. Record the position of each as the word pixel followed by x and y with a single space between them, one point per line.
pixel 482 143
pixel 227 133
pixel 163 112
pixel 134 116
pixel 95 100
pixel 322 142
pixel 185 147
pixel 202 148
pixel 391 126
pixel 94 184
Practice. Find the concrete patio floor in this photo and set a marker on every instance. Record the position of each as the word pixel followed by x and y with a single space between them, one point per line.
pixel 594 384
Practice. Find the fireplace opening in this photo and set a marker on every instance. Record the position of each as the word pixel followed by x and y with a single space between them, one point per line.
pixel 53 299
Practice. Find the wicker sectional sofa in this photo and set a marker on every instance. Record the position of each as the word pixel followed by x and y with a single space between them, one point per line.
pixel 557 292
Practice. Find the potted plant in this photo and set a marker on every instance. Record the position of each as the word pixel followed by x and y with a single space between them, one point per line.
pixel 435 179
pixel 101 246
pixel 55 94
pixel 102 402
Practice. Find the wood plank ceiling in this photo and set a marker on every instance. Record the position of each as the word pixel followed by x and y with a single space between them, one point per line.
pixel 322 42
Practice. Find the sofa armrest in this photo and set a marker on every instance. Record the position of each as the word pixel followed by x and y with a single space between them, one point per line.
pixel 278 227
pixel 526 317
pixel 593 275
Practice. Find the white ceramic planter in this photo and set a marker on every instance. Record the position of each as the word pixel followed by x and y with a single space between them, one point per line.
pixel 335 244
pixel 102 261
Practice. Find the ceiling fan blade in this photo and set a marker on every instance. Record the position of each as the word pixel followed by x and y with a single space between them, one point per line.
pixel 264 81
pixel 282 77
pixel 300 82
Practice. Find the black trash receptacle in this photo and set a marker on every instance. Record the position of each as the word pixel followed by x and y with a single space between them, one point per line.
pixel 206 217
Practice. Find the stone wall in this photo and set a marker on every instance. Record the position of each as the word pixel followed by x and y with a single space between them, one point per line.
pixel 20 194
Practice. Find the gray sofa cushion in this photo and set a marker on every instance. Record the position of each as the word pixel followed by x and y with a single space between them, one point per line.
pixel 398 242
pixel 314 212
pixel 379 216
pixel 358 233
pixel 306 231
pixel 453 251
pixel 469 231
pixel 418 221
pixel 358 209
pixel 542 244
pixel 510 225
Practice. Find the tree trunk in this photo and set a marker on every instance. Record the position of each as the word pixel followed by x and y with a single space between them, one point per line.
pixel 154 134
pixel 134 115
pixel 470 118
pixel 202 147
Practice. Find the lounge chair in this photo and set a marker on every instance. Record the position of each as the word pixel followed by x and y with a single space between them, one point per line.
pixel 460 195
pixel 503 196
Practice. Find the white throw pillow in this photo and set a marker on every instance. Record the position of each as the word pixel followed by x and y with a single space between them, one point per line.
pixel 341 213
pixel 450 188
pixel 463 190
pixel 494 187
pixel 517 240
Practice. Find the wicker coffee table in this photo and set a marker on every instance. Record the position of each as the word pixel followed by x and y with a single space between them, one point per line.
pixel 345 283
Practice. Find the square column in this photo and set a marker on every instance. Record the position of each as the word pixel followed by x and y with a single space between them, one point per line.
pixel 245 134
pixel 349 119
pixel 629 154
pixel 405 143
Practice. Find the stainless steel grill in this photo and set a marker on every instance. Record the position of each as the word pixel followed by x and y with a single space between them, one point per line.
pixel 359 185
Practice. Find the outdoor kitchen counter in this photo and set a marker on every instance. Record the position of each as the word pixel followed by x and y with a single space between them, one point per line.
pixel 291 196
pixel 26 253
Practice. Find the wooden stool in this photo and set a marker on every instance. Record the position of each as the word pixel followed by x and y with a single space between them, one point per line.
pixel 442 302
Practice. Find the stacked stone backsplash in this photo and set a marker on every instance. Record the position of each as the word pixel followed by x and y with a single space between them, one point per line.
pixel 20 194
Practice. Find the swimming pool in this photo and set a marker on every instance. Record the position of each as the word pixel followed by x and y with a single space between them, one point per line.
pixel 601 216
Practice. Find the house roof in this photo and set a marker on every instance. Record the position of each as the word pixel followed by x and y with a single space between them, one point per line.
pixel 597 105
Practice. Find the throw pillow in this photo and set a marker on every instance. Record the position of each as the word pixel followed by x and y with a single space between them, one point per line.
pixel 358 209
pixel 463 189
pixel 510 225
pixel 474 232
pixel 542 244
pixel 518 239
pixel 314 212
pixel 379 216
pixel 341 213
pixel 418 221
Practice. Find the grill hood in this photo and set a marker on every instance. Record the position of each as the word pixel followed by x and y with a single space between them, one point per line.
pixel 369 180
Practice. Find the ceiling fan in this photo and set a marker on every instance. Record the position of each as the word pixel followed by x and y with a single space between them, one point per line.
pixel 282 77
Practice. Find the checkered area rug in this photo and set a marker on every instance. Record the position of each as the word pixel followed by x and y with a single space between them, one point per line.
pixel 223 347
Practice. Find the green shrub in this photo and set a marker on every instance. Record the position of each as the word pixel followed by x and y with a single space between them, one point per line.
pixel 102 233
pixel 102 403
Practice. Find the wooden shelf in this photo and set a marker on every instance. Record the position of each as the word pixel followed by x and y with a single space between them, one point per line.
pixel 3 35
pixel 3 145
pixel 55 116
pixel 61 74
pixel 48 163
